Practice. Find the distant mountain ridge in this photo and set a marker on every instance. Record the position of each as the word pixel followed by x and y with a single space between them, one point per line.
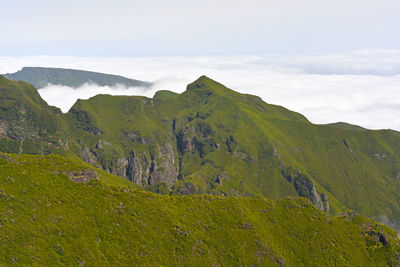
pixel 40 77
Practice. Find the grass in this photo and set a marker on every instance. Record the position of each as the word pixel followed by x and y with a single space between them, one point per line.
pixel 47 219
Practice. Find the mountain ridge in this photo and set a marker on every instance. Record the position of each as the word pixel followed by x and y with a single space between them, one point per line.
pixel 40 77
pixel 210 139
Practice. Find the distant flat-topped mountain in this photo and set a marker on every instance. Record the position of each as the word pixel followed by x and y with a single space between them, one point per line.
pixel 41 77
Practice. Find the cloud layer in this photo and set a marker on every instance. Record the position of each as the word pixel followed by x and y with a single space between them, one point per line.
pixel 361 87
pixel 64 97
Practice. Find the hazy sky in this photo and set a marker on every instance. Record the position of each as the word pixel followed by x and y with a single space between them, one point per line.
pixel 207 27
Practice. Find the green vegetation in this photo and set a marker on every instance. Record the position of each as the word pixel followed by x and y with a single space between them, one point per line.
pixel 164 94
pixel 61 211
pixel 344 125
pixel 40 77
pixel 210 139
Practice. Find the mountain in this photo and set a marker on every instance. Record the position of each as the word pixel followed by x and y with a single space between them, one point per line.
pixel 41 77
pixel 344 125
pixel 211 139
pixel 164 94
pixel 62 211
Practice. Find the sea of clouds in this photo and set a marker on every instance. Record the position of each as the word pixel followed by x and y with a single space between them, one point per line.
pixel 361 87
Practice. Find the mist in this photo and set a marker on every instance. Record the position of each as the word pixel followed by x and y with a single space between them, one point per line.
pixel 64 97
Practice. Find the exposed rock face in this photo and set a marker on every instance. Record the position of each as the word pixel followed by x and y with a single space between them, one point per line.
pixel 163 166
pixel 102 143
pixel 134 170
pixel 349 148
pixel 136 137
pixel 380 237
pixel 144 169
pixel 82 176
pixel 120 167
pixel 275 153
pixel 3 128
pixel 184 139
pixel 195 139
pixel 381 155
pixel 325 202
pixel 221 178
pixel 88 156
pixel 139 167
pixel 305 188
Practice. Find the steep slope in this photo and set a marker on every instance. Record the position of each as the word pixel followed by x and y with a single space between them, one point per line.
pixel 127 137
pixel 59 211
pixel 40 77
pixel 27 123
pixel 211 139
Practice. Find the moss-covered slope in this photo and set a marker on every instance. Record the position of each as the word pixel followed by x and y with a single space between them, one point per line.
pixel 60 211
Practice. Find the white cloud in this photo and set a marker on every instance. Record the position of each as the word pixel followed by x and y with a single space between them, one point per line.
pixel 64 97
pixel 361 87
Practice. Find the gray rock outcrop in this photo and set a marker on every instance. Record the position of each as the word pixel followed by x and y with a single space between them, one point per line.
pixel 305 187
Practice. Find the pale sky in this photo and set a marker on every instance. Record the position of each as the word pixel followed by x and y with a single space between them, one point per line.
pixel 190 28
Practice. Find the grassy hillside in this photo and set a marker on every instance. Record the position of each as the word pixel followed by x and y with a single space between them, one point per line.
pixel 344 125
pixel 40 77
pixel 25 116
pixel 61 211
pixel 211 139
pixel 164 94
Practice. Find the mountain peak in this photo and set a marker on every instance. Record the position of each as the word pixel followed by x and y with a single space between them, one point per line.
pixel 203 81
pixel 208 86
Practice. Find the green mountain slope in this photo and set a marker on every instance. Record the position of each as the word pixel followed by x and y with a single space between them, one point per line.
pixel 40 77
pixel 344 125
pixel 61 211
pixel 211 139
pixel 164 94
pixel 25 116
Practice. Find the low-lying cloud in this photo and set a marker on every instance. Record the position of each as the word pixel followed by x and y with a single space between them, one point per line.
pixel 65 97
pixel 361 87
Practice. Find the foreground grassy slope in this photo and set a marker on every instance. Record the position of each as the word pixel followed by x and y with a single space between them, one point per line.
pixel 57 211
